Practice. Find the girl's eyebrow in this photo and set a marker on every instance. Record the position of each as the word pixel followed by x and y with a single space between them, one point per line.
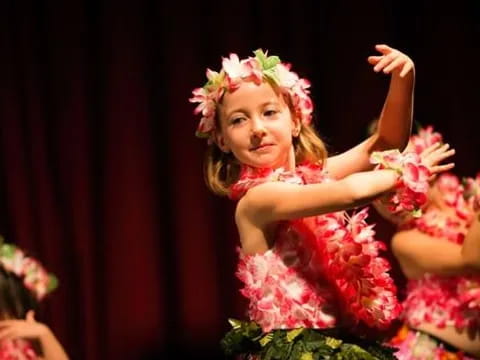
pixel 240 109
pixel 243 110
pixel 269 102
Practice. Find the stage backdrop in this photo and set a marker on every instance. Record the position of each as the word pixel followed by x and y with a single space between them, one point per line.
pixel 100 172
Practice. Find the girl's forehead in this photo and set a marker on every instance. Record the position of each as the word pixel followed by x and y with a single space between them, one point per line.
pixel 251 94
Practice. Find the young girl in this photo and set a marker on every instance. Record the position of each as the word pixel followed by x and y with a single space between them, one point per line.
pixel 23 283
pixel 309 270
pixel 439 254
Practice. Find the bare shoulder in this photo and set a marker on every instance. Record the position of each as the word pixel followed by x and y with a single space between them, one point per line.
pixel 260 200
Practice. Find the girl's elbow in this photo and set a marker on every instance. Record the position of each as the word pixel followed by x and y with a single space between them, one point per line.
pixel 471 262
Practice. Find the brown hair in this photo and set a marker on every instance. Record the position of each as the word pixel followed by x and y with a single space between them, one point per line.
pixel 221 169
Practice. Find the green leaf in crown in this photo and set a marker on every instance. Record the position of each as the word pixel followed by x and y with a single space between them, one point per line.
pixel 267 62
pixel 7 250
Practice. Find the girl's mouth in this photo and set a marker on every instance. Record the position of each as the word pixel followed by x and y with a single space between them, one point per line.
pixel 260 147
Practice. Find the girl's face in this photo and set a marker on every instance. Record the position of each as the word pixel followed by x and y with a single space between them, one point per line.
pixel 256 125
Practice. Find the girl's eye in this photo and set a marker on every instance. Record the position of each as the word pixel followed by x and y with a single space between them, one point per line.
pixel 270 112
pixel 236 120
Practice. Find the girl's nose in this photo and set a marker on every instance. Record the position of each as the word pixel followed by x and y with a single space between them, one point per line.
pixel 258 129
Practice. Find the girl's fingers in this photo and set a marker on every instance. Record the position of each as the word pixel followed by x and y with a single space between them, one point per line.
pixel 382 63
pixel 441 168
pixel 447 154
pixel 439 156
pixel 394 64
pixel 430 149
pixel 406 69
pixel 384 49
pixel 441 150
pixel 374 59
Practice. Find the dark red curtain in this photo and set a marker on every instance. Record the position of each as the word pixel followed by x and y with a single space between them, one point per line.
pixel 100 172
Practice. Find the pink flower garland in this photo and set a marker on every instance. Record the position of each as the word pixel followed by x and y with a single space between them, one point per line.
pixel 283 284
pixel 411 190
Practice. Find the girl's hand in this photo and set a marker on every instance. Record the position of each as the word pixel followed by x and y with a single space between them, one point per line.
pixel 434 155
pixel 28 328
pixel 391 61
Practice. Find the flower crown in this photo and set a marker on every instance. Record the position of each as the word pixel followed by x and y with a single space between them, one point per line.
pixel 255 69
pixel 34 276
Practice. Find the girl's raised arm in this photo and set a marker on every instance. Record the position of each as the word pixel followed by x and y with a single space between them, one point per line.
pixel 394 124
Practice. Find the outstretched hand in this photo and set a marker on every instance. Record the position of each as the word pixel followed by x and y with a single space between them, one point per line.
pixel 18 328
pixel 434 155
pixel 391 61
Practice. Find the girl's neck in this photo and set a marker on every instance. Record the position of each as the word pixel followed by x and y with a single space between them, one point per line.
pixel 290 163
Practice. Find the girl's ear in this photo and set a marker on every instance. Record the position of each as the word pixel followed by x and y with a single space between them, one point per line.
pixel 220 141
pixel 297 126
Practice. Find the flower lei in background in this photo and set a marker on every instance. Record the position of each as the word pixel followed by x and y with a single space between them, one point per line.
pixel 254 69
pixel 471 191
pixel 465 196
pixel 456 300
pixel 34 276
pixel 425 138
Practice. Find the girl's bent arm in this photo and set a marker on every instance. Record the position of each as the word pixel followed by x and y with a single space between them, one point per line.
pixel 275 201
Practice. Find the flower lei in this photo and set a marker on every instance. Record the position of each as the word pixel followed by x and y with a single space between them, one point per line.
pixel 412 186
pixel 34 276
pixel 254 69
pixel 342 246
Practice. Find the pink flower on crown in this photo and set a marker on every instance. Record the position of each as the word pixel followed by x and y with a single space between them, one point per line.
pixel 254 71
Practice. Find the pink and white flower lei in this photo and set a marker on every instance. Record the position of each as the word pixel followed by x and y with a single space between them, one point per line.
pixel 412 186
pixel 34 276
pixel 416 345
pixel 283 284
pixel 255 69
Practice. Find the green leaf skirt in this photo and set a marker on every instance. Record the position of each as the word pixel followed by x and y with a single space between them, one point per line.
pixel 247 341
